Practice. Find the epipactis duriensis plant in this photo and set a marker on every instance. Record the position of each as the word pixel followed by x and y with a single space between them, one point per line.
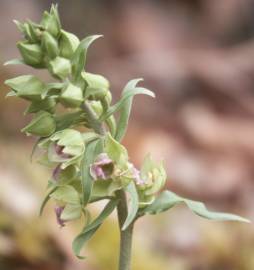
pixel 91 165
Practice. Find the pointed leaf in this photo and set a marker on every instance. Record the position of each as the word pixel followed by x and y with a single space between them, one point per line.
pixel 90 229
pixel 128 94
pixel 79 57
pixel 168 199
pixel 125 110
pixel 91 152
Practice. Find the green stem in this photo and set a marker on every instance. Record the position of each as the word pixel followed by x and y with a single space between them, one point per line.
pixel 126 235
pixel 122 209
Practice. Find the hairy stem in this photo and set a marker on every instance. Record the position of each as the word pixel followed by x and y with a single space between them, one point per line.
pixel 122 210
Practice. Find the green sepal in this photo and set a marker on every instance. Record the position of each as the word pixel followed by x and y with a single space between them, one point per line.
pixel 66 176
pixel 97 86
pixel 167 199
pixel 49 45
pixel 27 86
pixel 67 120
pixel 46 199
pixel 42 125
pixel 71 96
pixel 71 212
pixel 91 228
pixel 14 62
pixel 32 54
pixel 66 194
pixel 60 67
pixel 116 151
pixel 68 43
pixel 47 105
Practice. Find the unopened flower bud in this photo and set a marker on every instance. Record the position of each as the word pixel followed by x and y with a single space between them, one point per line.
pixel 68 43
pixel 60 67
pixel 27 86
pixel 50 45
pixel 102 168
pixel 51 22
pixel 97 85
pixel 31 53
pixel 42 125
pixel 71 96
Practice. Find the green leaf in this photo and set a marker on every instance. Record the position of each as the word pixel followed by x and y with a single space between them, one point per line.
pixel 168 199
pixel 133 206
pixel 46 199
pixel 90 229
pixel 128 94
pixel 125 110
pixel 91 152
pixel 79 57
pixel 66 194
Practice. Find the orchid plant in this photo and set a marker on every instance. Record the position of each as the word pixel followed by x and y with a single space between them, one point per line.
pixel 83 146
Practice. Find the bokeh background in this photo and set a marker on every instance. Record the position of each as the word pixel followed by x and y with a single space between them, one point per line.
pixel 198 57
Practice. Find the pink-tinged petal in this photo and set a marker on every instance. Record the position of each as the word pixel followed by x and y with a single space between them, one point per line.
pixel 56 172
pixel 58 212
pixel 137 177
pixel 102 168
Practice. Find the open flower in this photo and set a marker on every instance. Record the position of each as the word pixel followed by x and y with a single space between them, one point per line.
pixel 102 168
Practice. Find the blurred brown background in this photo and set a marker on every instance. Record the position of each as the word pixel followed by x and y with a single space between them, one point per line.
pixel 198 57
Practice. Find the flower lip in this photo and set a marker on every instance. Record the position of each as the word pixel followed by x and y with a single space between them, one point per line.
pixel 58 212
pixel 102 168
pixel 60 151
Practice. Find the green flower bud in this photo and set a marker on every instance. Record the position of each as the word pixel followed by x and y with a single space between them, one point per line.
pixel 30 31
pixel 60 67
pixel 151 178
pixel 47 105
pixel 27 86
pixel 51 22
pixel 71 96
pixel 97 86
pixel 42 125
pixel 68 43
pixel 50 45
pixel 32 54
